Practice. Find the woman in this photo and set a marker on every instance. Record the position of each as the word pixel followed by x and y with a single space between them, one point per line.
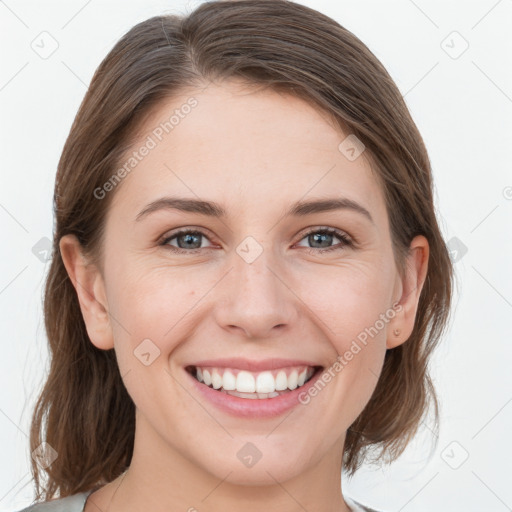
pixel 248 277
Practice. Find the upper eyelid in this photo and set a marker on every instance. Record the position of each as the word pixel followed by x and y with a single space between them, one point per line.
pixel 184 230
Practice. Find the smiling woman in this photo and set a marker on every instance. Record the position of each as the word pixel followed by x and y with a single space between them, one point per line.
pixel 252 307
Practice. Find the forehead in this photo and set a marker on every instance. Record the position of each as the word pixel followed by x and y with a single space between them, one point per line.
pixel 230 142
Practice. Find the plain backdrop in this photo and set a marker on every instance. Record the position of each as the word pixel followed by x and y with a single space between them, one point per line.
pixel 451 61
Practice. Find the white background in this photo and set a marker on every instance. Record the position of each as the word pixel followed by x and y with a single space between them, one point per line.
pixel 463 109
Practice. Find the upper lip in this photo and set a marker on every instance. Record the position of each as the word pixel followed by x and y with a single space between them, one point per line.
pixel 253 365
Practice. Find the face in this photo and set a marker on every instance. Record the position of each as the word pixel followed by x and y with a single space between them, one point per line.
pixel 260 282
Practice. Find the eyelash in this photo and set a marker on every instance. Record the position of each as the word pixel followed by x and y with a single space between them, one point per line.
pixel 345 240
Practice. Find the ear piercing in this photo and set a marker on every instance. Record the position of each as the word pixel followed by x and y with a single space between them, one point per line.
pixel 396 332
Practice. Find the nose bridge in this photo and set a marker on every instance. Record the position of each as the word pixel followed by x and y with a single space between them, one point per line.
pixel 257 300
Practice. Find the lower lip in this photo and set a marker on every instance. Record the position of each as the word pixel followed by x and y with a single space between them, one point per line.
pixel 254 408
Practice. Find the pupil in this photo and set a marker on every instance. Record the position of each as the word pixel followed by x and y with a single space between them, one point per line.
pixel 189 239
pixel 322 237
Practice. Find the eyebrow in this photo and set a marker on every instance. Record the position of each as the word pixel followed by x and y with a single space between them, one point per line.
pixel 212 209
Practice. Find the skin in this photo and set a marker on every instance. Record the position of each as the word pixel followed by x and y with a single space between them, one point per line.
pixel 254 152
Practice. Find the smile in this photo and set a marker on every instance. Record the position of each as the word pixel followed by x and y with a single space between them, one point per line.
pixel 253 385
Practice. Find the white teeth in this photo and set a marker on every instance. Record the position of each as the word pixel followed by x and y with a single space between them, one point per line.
pixel 292 380
pixel 281 381
pixel 249 385
pixel 216 380
pixel 265 383
pixel 228 381
pixel 245 382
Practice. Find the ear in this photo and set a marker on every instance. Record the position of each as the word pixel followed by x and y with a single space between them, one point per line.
pixel 409 290
pixel 90 288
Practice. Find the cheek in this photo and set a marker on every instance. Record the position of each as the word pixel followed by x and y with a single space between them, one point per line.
pixel 352 303
pixel 151 304
pixel 153 314
pixel 355 310
pixel 348 298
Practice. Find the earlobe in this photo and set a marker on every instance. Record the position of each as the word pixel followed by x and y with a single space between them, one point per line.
pixel 90 288
pixel 402 325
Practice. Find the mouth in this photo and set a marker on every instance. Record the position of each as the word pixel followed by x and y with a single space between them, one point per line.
pixel 254 385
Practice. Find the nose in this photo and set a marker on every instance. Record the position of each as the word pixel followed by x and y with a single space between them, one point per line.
pixel 255 299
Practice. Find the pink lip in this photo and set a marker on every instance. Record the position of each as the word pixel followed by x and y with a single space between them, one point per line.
pixel 253 366
pixel 253 408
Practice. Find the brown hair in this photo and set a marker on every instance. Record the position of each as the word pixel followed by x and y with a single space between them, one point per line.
pixel 84 409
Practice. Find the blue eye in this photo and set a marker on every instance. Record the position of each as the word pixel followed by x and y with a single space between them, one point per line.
pixel 187 239
pixel 190 241
pixel 326 235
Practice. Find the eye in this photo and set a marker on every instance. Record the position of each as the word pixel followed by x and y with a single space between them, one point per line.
pixel 188 240
pixel 323 237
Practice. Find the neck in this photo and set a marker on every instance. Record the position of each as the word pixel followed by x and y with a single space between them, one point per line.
pixel 162 478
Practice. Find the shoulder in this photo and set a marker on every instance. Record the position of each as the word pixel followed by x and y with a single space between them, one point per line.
pixel 74 503
pixel 355 506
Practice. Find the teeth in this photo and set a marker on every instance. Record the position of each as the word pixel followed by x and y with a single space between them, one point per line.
pixel 292 380
pixel 281 381
pixel 266 384
pixel 206 377
pixel 252 395
pixel 228 381
pixel 245 382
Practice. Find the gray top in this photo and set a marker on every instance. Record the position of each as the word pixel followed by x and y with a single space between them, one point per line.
pixel 76 503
